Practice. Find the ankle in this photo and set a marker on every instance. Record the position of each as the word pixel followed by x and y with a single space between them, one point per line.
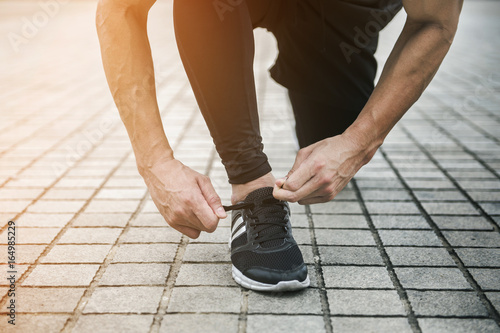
pixel 240 191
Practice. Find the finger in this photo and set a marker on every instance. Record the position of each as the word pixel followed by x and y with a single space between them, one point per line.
pixel 328 189
pixel 204 214
pixel 281 181
pixel 190 232
pixel 314 200
pixel 211 197
pixel 302 155
pixel 294 196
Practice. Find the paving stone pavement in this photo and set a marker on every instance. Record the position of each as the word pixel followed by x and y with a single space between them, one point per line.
pixel 411 245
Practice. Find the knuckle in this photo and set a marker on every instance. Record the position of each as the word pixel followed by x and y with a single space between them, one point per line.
pixel 293 185
pixel 318 165
pixel 329 189
pixel 293 198
pixel 211 227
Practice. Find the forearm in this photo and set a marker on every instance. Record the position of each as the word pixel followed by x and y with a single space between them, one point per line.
pixel 409 69
pixel 128 65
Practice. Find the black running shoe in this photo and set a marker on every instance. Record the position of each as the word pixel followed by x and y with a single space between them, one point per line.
pixel 264 254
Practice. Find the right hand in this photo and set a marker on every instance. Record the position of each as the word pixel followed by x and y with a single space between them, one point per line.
pixel 185 198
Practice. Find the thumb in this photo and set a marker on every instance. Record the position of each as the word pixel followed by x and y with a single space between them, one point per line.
pixel 302 155
pixel 211 197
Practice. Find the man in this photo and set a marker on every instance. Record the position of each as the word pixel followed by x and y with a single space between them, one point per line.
pixel 326 62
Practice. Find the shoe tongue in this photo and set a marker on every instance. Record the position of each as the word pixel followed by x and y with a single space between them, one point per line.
pixel 259 194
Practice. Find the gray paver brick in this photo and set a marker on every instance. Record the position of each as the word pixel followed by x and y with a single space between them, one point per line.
pixel 356 277
pixel 135 274
pixel 205 299
pixel 372 325
pixel 392 208
pixel 149 220
pixel 112 206
pixel 77 254
pixel 145 253
pixel 43 220
pixel 56 206
pixel 409 237
pixel 473 238
pixel 151 235
pixel 364 302
pixel 101 220
pixel 450 208
pixel 25 254
pixel 205 274
pixel 455 325
pixel 446 303
pixel 350 255
pixel 221 235
pixel 107 193
pixel 433 196
pixel 31 235
pixel 430 184
pixel 419 256
pixel 374 195
pixel 302 236
pixel 432 278
pixel 39 300
pixel 285 324
pixel 461 222
pixel 400 222
pixel 61 275
pixel 344 237
pixel 46 323
pixel 111 323
pixel 494 298
pixel 199 323
pixel 340 221
pixel 480 257
pixel 337 207
pixel 306 301
pixel 487 279
pixel 207 252
pixel 124 299
pixel 90 236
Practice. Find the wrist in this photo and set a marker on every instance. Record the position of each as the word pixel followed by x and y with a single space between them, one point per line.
pixel 146 159
pixel 364 135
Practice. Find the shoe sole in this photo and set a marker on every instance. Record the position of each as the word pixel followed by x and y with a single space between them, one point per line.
pixel 248 283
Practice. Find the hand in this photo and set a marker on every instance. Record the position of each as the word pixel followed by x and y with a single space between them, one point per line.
pixel 185 198
pixel 322 170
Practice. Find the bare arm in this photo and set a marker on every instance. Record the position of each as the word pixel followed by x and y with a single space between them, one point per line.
pixel 425 40
pixel 323 169
pixel 126 56
pixel 185 198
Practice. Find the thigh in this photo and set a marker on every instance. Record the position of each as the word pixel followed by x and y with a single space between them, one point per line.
pixel 325 51
pixel 316 120
pixel 259 11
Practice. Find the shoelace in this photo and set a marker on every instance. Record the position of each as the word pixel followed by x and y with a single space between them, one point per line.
pixel 264 216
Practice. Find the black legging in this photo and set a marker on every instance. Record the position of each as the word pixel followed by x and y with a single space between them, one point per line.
pixel 327 89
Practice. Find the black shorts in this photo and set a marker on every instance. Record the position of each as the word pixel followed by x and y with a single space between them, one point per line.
pixel 326 47
pixel 326 60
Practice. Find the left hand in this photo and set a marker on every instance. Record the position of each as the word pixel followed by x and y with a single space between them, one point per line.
pixel 322 170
